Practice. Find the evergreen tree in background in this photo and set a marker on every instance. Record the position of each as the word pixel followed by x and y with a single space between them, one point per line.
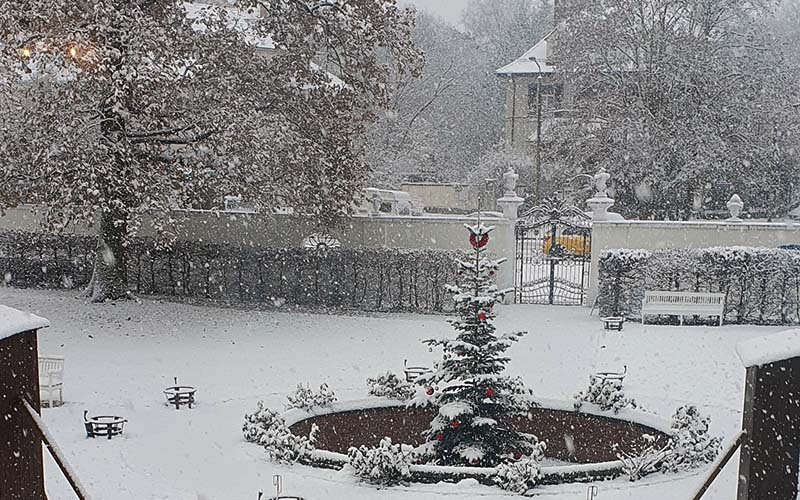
pixel 473 392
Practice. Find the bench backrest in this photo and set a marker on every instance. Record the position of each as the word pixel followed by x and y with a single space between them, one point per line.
pixel 684 298
pixel 51 364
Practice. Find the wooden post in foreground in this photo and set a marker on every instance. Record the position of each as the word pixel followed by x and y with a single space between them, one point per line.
pixel 21 460
pixel 768 466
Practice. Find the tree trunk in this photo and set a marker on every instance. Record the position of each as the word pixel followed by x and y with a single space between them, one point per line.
pixel 110 276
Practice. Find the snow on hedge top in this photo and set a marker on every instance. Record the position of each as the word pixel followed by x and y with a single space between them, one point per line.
pixel 771 348
pixel 13 322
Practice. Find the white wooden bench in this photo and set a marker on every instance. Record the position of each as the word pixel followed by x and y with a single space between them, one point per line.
pixel 51 379
pixel 683 303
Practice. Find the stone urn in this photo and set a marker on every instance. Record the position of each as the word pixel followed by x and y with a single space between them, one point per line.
pixel 510 179
pixel 510 202
pixel 735 205
pixel 600 202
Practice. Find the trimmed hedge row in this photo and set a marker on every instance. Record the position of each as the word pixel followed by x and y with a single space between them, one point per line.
pixel 369 279
pixel 761 285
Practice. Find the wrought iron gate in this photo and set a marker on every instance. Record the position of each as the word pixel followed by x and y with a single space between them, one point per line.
pixel 553 254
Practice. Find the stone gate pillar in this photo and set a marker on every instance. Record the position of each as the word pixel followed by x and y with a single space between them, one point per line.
pixel 509 204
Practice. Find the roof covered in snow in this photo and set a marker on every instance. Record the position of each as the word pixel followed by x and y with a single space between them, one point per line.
pixel 526 63
pixel 13 322
pixel 769 349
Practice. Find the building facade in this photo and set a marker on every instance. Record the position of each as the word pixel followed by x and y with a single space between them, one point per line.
pixel 531 79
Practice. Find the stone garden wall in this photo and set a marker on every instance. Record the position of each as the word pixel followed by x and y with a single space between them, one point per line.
pixel 278 231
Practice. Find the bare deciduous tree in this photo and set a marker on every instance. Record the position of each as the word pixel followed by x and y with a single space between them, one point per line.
pixel 116 111
pixel 683 101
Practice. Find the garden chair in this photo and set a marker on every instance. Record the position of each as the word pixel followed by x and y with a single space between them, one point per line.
pixel 51 379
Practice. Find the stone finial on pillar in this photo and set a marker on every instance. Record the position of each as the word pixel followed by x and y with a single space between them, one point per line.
pixel 735 205
pixel 510 179
pixel 600 202
pixel 510 202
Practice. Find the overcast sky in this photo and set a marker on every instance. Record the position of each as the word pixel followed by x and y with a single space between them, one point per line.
pixel 449 10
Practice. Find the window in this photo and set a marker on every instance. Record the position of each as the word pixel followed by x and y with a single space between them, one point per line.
pixel 552 94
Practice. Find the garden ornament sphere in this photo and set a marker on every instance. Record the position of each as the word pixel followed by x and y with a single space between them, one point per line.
pixel 478 243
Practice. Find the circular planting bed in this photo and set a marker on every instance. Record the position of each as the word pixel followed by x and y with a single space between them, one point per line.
pixel 585 439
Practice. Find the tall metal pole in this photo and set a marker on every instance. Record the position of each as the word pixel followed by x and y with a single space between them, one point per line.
pixel 539 135
pixel 538 173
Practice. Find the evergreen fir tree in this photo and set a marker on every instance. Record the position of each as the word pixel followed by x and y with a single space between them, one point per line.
pixel 473 393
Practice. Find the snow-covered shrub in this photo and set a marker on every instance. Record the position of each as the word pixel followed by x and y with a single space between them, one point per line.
pixel 521 475
pixel 647 460
pixel 521 394
pixel 268 429
pixel 305 397
pixel 691 446
pixel 389 385
pixel 386 464
pixel 605 393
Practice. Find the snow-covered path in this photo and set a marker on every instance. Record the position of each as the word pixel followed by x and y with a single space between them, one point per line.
pixel 119 357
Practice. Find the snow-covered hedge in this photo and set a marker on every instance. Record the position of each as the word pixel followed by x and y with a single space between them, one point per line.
pixel 761 285
pixel 620 285
pixel 357 278
pixel 268 429
pixel 40 260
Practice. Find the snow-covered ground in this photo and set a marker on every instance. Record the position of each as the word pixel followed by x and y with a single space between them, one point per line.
pixel 119 357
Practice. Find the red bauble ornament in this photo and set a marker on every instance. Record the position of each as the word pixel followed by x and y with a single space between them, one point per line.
pixel 475 461
pixel 489 392
pixel 478 243
pixel 482 316
pixel 517 455
pixel 429 391
pixel 454 423
pixel 440 437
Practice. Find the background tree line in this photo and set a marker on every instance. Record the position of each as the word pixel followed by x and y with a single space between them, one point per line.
pixel 684 101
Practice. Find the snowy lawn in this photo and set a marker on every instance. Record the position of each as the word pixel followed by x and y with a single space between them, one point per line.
pixel 119 358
